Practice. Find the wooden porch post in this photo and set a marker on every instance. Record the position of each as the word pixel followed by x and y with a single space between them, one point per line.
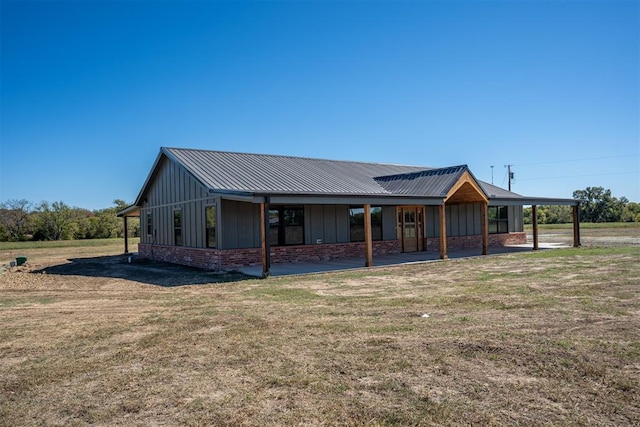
pixel 485 228
pixel 264 238
pixel 576 225
pixel 126 235
pixel 534 222
pixel 368 245
pixel 443 231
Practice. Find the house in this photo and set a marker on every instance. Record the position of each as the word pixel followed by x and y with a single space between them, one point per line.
pixel 224 210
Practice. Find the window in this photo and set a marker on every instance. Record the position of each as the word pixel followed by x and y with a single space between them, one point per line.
pixel 177 227
pixel 149 224
pixel 286 226
pixel 356 223
pixel 498 219
pixel 210 214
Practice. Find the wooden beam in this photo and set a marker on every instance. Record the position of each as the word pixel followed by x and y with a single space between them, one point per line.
pixel 264 238
pixel 485 228
pixel 443 232
pixel 534 221
pixel 368 244
pixel 576 226
pixel 126 235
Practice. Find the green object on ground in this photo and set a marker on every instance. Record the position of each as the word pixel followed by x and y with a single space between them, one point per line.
pixel 21 260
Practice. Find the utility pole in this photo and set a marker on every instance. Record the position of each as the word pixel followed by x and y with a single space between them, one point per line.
pixel 491 174
pixel 509 175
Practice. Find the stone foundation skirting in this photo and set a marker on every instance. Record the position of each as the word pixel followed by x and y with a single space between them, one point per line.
pixel 227 259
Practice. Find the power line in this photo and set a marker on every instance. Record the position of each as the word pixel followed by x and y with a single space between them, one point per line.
pixel 579 176
pixel 577 160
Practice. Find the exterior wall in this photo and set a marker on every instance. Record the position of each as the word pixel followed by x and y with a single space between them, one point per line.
pixel 173 188
pixel 462 220
pixel 239 225
pixel 472 242
pixel 225 259
pixel 466 220
pixel 516 219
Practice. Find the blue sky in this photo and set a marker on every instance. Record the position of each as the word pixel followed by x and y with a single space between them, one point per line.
pixel 91 90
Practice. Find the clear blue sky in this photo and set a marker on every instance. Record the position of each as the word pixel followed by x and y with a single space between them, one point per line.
pixel 90 90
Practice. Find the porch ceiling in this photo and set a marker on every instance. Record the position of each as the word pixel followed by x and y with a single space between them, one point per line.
pixel 466 190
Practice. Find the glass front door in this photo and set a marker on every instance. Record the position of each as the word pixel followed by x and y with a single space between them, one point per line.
pixel 410 228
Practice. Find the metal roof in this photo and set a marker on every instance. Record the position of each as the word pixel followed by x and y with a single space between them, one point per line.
pixel 265 174
pixel 431 182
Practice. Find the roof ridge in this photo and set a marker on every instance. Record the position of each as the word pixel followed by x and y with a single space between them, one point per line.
pixel 284 156
pixel 423 173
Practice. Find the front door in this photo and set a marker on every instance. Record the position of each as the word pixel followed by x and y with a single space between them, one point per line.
pixel 410 228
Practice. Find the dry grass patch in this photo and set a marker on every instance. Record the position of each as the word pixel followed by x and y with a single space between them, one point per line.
pixel 531 339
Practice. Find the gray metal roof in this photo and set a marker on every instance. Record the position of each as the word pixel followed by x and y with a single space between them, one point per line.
pixel 265 174
pixel 431 182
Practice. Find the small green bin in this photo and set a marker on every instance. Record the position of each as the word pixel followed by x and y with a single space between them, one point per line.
pixel 21 260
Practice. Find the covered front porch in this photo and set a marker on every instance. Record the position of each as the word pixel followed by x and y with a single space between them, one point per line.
pixel 292 269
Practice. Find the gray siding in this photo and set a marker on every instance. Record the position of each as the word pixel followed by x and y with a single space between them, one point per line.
pixel 389 223
pixel 239 225
pixel 466 220
pixel 516 219
pixel 173 188
pixel 462 220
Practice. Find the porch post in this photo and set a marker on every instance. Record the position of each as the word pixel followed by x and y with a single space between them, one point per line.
pixel 264 238
pixel 443 231
pixel 368 245
pixel 534 222
pixel 485 228
pixel 126 235
pixel 576 225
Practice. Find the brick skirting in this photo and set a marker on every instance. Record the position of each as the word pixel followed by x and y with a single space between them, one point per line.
pixel 473 242
pixel 227 259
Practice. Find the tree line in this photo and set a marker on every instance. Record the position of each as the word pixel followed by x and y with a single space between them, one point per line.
pixel 22 220
pixel 598 205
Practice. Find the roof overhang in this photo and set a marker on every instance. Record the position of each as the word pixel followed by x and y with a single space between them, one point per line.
pixel 129 211
pixel 331 199
pixel 539 201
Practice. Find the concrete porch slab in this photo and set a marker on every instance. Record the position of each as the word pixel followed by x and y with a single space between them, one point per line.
pixel 298 268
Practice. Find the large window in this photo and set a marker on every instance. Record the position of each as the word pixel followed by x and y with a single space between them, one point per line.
pixel 498 219
pixel 286 225
pixel 210 214
pixel 356 223
pixel 177 227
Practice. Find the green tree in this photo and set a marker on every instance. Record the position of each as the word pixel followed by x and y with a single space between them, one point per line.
pixel 14 217
pixel 56 221
pixel 631 212
pixel 552 214
pixel 599 205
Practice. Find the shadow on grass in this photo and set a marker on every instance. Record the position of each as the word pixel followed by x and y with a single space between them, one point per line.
pixel 143 271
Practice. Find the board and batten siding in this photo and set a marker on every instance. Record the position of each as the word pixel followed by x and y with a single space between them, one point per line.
pixel 466 220
pixel 240 224
pixel 173 188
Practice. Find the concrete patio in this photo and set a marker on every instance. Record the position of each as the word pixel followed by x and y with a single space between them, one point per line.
pixel 386 260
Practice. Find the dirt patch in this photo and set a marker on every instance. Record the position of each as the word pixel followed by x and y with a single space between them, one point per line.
pixel 548 338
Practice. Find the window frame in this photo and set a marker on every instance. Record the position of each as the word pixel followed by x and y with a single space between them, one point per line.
pixel 149 223
pixel 177 228
pixel 497 223
pixel 357 220
pixel 281 227
pixel 207 229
